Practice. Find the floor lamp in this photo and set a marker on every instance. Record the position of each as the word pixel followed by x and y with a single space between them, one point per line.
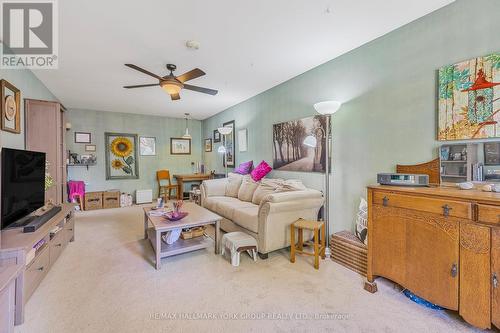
pixel 327 109
pixel 223 149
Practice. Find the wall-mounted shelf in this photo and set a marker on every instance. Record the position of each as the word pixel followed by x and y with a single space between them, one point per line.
pixel 81 165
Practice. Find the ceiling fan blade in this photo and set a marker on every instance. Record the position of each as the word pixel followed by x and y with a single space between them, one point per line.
pixel 175 97
pixel 193 74
pixel 142 70
pixel 200 89
pixel 141 86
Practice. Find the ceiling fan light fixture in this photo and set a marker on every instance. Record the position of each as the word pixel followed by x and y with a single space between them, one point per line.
pixel 171 87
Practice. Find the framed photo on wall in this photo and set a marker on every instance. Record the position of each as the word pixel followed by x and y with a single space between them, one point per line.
pixel 216 136
pixel 228 142
pixel 180 146
pixel 121 156
pixel 90 148
pixel 243 140
pixel 10 106
pixel 147 146
pixel 83 137
pixel 208 145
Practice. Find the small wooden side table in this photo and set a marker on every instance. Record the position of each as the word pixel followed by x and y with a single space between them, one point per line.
pixel 319 249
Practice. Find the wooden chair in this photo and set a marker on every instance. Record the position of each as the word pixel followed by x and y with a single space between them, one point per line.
pixel 164 175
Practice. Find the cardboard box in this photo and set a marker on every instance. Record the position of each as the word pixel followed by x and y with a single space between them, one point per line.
pixel 93 200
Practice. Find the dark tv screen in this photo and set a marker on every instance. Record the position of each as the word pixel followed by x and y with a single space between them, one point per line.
pixel 23 184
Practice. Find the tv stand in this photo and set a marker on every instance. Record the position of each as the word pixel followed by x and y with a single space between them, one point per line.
pixel 36 252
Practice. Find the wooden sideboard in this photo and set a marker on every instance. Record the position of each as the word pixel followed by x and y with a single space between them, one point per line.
pixel 16 247
pixel 441 243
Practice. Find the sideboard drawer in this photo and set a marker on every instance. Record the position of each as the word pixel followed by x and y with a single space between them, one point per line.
pixel 436 206
pixel 35 272
pixel 488 214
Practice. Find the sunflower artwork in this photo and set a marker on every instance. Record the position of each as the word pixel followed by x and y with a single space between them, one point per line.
pixel 121 156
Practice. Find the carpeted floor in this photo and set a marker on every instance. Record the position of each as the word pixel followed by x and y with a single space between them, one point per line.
pixel 105 282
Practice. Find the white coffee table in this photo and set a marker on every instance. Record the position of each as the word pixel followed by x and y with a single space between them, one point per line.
pixel 154 226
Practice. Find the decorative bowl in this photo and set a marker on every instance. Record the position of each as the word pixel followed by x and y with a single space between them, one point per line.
pixel 173 216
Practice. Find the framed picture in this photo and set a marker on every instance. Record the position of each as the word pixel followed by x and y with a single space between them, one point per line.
pixel 228 142
pixel 90 148
pixel 10 104
pixel 147 146
pixel 121 156
pixel 293 155
pixel 216 136
pixel 469 99
pixel 180 146
pixel 208 145
pixel 243 140
pixel 83 137
pixel 492 153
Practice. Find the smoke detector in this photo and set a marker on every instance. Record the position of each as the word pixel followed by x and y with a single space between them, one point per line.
pixel 193 44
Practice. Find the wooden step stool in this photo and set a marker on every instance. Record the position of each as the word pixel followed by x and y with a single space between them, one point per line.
pixel 319 249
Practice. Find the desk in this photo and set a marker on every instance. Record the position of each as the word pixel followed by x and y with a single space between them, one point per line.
pixel 189 178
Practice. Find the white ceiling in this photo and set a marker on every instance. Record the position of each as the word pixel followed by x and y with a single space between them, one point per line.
pixel 246 47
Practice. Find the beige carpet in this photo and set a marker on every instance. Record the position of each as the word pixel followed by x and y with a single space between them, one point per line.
pixel 105 282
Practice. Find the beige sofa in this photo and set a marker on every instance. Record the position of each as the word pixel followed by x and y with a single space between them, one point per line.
pixel 262 209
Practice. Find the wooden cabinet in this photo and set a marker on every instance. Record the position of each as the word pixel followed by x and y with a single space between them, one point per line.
pixel 45 131
pixel 441 243
pixel 495 277
pixel 475 305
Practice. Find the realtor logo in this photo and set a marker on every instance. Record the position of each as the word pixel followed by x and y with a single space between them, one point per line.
pixel 29 34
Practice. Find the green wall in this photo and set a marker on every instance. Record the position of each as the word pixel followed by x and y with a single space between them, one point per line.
pixel 163 128
pixel 388 88
pixel 30 87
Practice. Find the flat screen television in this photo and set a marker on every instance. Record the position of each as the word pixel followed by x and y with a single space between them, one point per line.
pixel 23 184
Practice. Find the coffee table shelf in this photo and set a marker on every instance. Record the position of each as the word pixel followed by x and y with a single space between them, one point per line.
pixel 155 226
pixel 180 246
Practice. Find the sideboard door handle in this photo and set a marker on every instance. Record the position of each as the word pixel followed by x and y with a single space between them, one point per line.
pixel 495 280
pixel 446 210
pixel 385 201
pixel 454 270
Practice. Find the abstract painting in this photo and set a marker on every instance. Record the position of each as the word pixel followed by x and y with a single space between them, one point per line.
pixel 121 156
pixel 289 151
pixel 469 99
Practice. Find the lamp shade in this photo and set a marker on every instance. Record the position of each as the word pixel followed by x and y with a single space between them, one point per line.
pixel 222 150
pixel 310 141
pixel 225 130
pixel 327 107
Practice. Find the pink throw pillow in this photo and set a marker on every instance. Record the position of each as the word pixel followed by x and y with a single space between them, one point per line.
pixel 260 171
pixel 244 168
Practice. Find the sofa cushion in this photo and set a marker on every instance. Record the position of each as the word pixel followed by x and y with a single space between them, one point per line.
pixel 247 188
pixel 244 168
pixel 261 171
pixel 233 184
pixel 211 202
pixel 247 217
pixel 266 186
pixel 226 206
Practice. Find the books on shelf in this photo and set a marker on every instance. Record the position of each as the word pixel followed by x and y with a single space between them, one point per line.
pixel 477 172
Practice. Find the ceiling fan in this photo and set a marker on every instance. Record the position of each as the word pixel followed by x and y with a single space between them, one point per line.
pixel 173 84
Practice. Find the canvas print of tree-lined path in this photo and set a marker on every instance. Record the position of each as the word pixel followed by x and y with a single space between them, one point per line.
pixel 289 152
pixel 469 99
